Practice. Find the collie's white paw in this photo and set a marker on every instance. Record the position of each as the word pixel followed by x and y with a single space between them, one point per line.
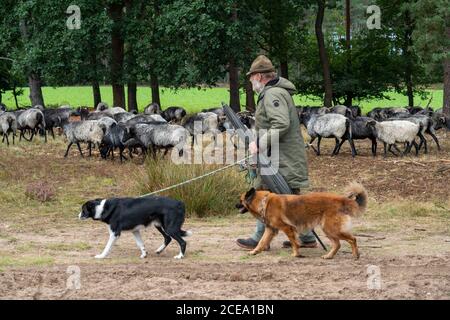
pixel 179 256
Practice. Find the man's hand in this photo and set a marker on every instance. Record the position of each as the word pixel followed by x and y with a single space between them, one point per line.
pixel 253 148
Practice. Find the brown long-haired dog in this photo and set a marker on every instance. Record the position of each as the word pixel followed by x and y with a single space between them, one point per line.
pixel 294 213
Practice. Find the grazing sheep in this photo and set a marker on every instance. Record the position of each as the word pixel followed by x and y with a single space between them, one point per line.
pixel 97 115
pixel 123 117
pixel 428 126
pixel 361 131
pixel 397 131
pixel 342 110
pixel 160 135
pixel 208 122
pixel 89 131
pixel 329 126
pixel 218 111
pixel 114 138
pixel 56 118
pixel 175 114
pixel 378 114
pixel 113 111
pixel 102 107
pixel 31 119
pixel 107 123
pixel 145 118
pixel 153 108
pixel 349 112
pixel 8 124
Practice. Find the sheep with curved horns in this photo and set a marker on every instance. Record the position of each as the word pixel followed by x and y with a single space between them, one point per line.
pixel 89 131
pixel 329 125
pixel 397 131
pixel 8 124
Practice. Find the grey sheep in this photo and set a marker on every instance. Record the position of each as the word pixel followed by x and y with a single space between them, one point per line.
pixel 144 118
pixel 102 107
pixel 397 131
pixel 329 125
pixel 31 119
pixel 428 126
pixel 123 117
pixel 361 131
pixel 107 123
pixel 160 135
pixel 201 123
pixel 174 114
pixel 152 108
pixel 8 124
pixel 89 131
pixel 57 118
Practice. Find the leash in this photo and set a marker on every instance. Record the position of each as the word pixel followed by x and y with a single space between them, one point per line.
pixel 197 178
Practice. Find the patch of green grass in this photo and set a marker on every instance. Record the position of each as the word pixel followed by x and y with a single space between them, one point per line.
pixel 27 261
pixel 75 246
pixel 194 100
pixel 213 195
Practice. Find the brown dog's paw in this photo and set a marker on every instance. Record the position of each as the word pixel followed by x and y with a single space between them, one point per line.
pixel 327 257
pixel 298 256
pixel 253 253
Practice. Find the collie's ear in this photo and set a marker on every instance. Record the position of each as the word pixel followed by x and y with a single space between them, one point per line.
pixel 249 195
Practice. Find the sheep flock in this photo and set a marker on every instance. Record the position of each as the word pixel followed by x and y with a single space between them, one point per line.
pixel 111 129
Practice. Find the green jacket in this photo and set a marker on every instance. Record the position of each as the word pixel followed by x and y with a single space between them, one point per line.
pixel 276 115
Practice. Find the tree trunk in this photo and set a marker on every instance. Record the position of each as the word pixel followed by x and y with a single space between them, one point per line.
pixel 446 107
pixel 408 58
pixel 249 96
pixel 284 69
pixel 154 83
pixel 233 71
pixel 349 93
pixel 328 87
pixel 35 84
pixel 132 97
pixel 115 11
pixel 96 93
pixel 14 92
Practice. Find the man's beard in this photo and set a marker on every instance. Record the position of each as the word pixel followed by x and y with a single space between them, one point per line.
pixel 257 86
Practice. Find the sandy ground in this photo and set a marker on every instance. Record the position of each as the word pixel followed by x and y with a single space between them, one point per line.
pixel 404 239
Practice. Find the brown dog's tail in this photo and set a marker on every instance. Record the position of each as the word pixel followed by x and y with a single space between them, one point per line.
pixel 357 193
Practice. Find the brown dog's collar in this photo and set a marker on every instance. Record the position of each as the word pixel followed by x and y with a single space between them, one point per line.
pixel 263 208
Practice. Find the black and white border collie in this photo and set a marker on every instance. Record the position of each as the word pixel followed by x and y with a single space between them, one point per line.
pixel 134 214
